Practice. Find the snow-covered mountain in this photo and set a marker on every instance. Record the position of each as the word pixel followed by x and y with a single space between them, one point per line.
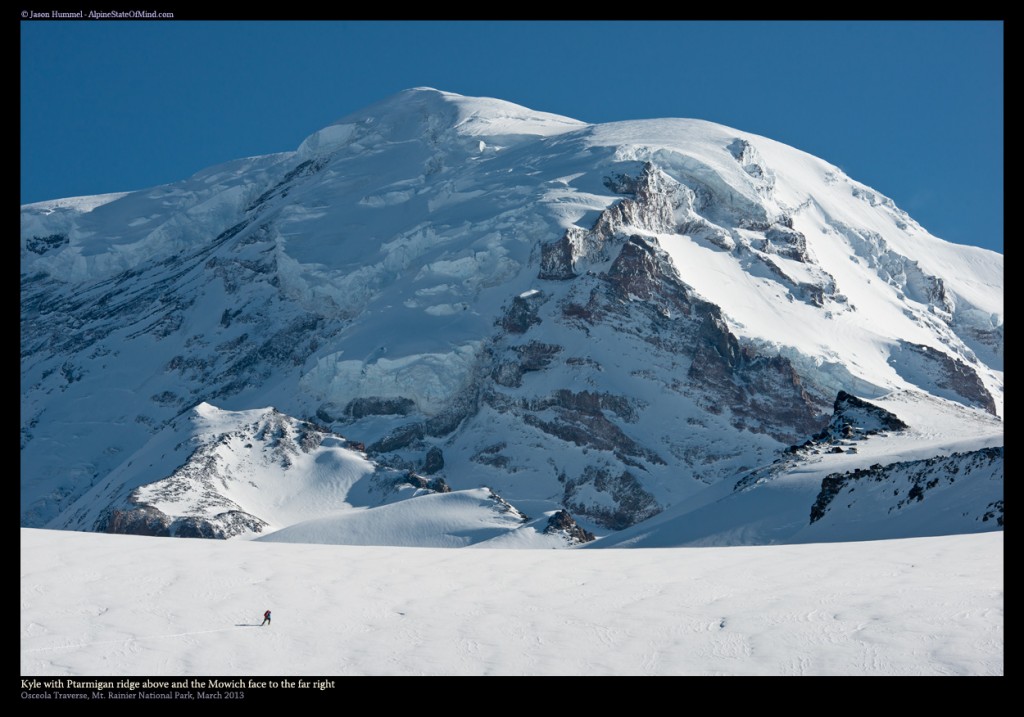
pixel 671 331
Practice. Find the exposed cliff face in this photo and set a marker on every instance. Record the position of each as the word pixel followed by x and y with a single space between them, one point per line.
pixel 642 286
pixel 611 501
pixel 655 203
pixel 946 375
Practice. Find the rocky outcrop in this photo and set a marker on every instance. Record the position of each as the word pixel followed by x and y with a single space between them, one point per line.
pixel 586 402
pixel 561 523
pixel 750 159
pixel 147 520
pixel 620 182
pixel 558 258
pixel 764 394
pixel 43 244
pixel 643 271
pixel 786 242
pixel 946 373
pixel 993 512
pixel 522 313
pixel 221 527
pixel 303 169
pixel 492 456
pixel 593 430
pixel 460 406
pixel 458 409
pixel 908 482
pixel 141 520
pixel 435 485
pixel 503 506
pixel 612 501
pixel 853 419
pixel 533 356
pixel 653 206
pixel 854 415
pixel 434 461
pixel 378 406
pixel 397 439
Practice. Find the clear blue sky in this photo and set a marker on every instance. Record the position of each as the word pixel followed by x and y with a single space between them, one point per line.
pixel 913 109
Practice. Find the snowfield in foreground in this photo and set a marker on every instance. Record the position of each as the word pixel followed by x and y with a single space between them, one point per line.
pixel 94 604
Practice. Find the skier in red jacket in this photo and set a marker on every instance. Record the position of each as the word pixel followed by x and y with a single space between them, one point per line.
pixel 266 618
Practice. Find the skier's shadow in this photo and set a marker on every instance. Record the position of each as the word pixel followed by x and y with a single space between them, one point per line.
pixel 247 624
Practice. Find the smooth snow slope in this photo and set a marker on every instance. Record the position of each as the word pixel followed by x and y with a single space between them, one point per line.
pixel 96 604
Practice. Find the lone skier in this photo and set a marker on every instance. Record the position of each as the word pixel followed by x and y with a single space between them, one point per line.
pixel 266 618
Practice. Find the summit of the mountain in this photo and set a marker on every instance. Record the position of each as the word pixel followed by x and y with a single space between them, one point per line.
pixel 436 117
